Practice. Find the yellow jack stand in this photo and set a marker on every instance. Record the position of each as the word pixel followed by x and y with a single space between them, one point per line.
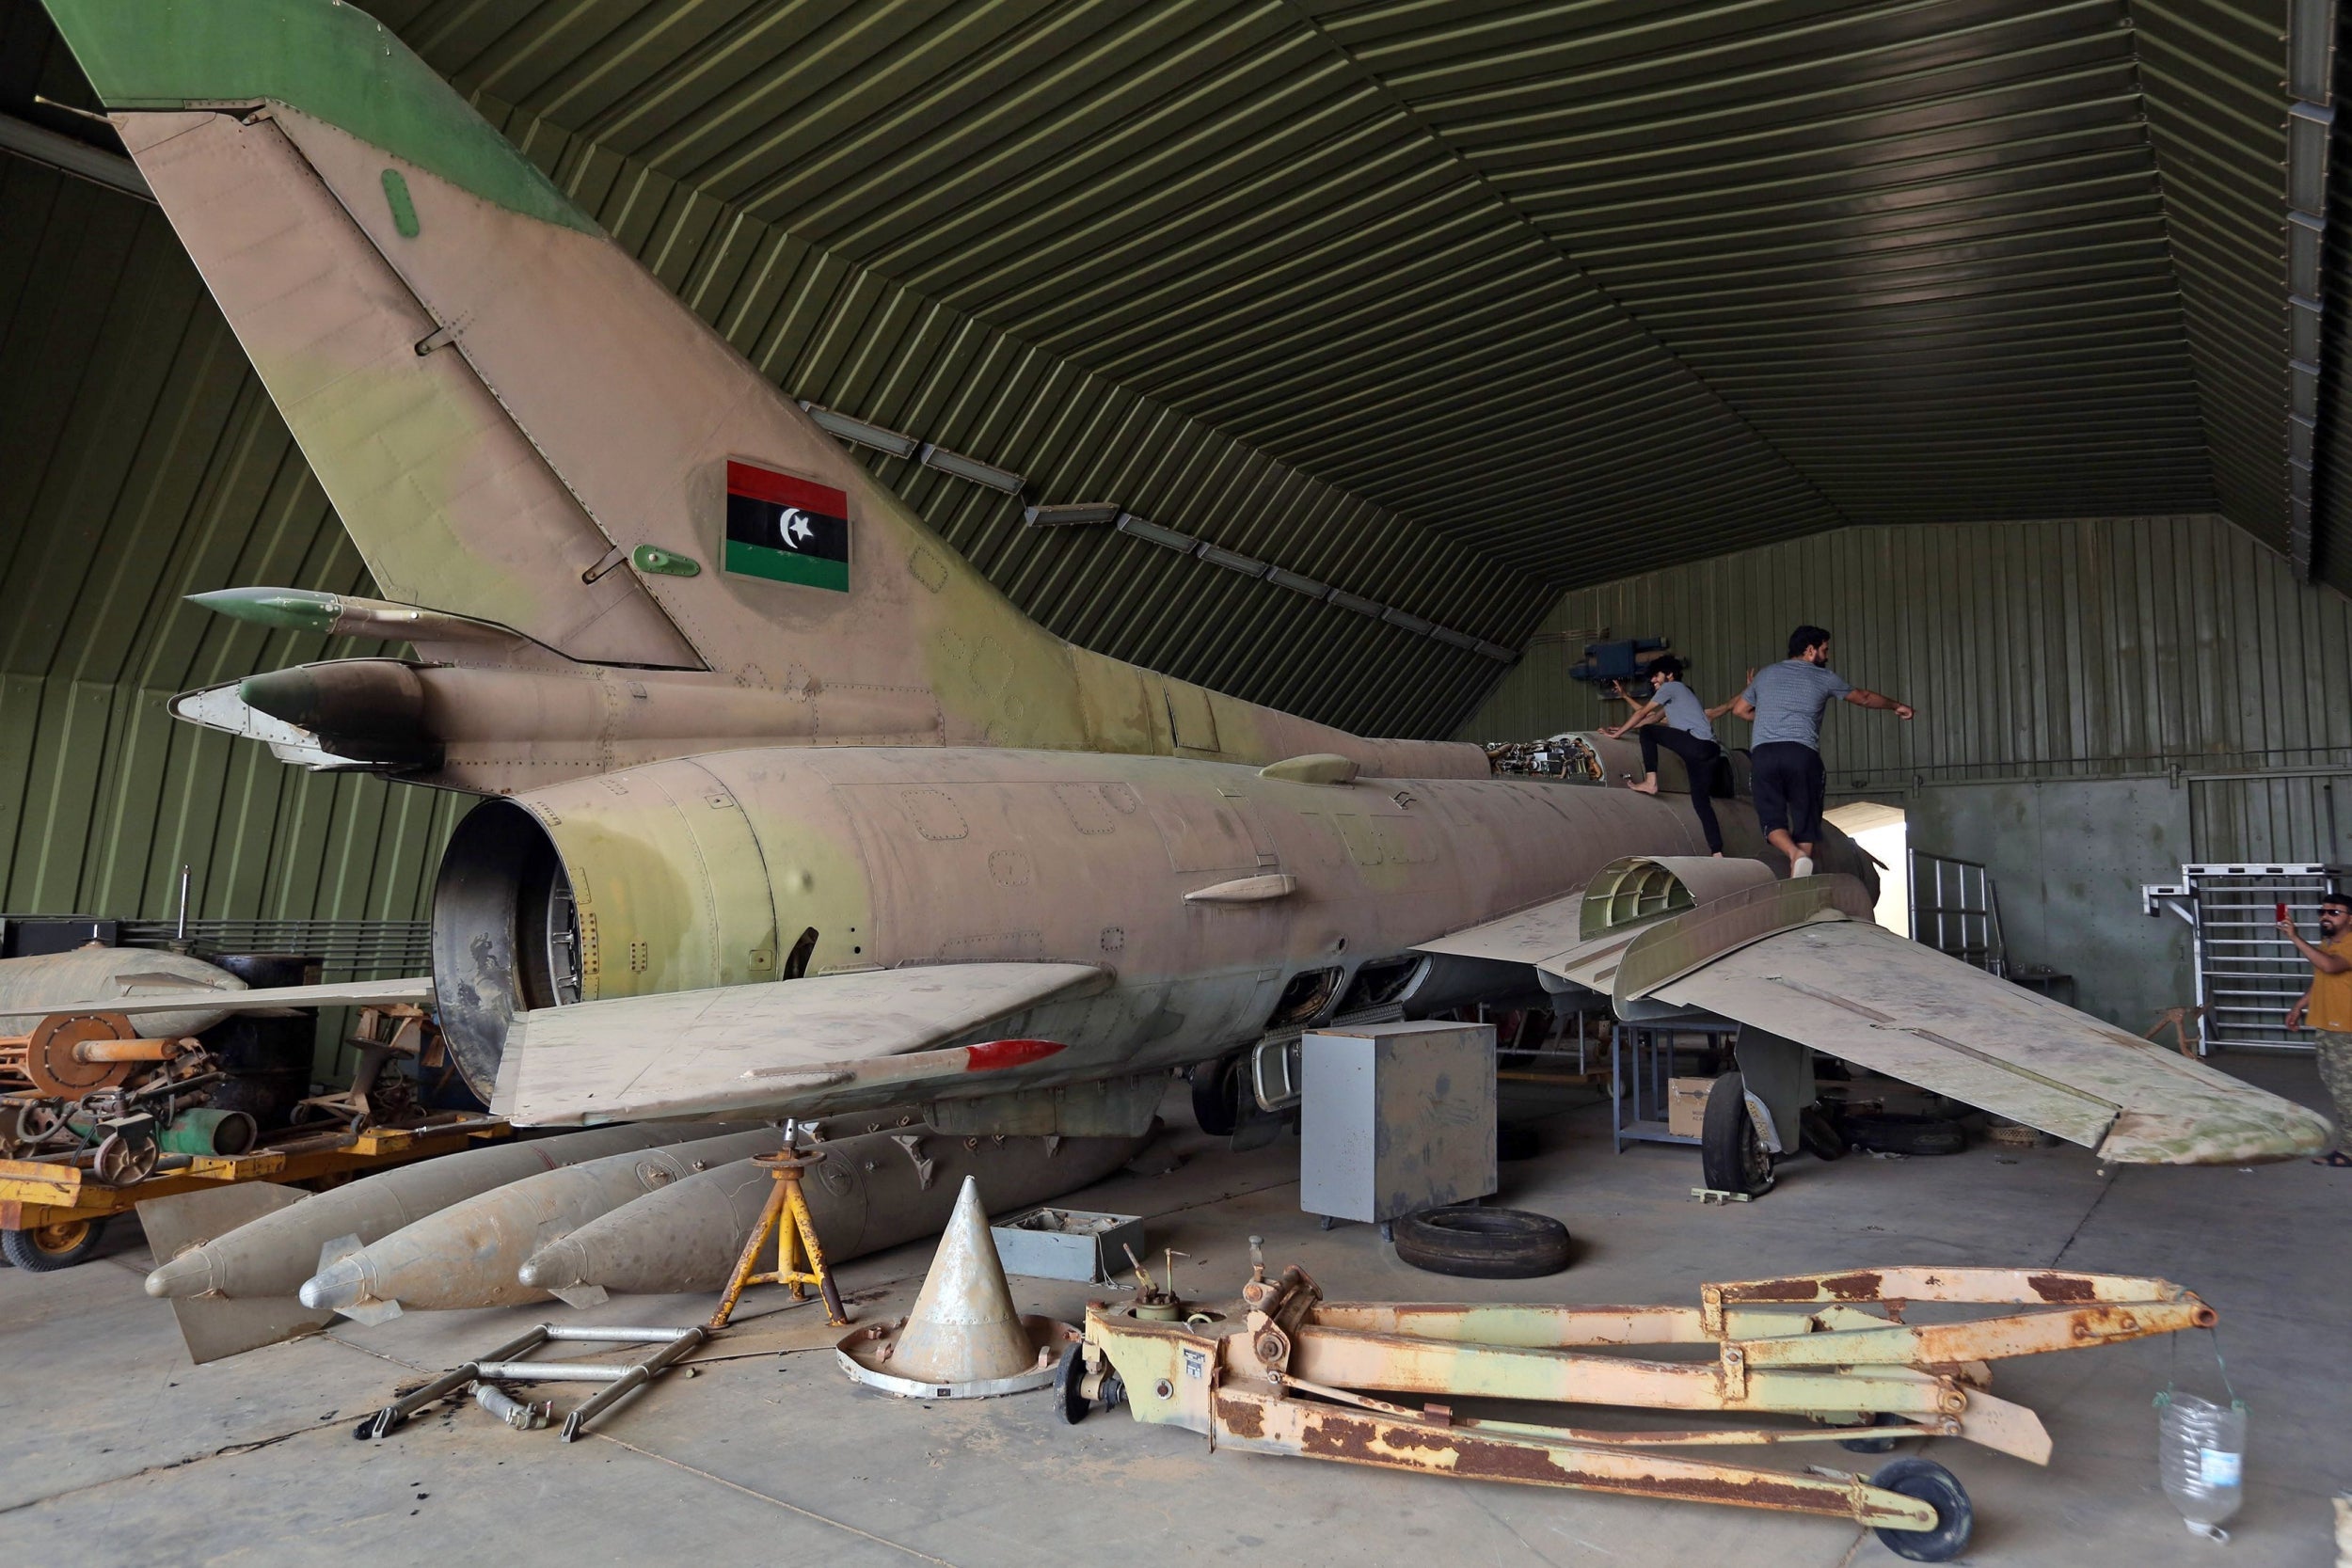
pixel 791 1240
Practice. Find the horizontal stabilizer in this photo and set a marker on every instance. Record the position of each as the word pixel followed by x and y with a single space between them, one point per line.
pixel 766 1048
pixel 1859 991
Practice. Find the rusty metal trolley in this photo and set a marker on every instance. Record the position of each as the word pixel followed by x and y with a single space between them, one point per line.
pixel 1832 1350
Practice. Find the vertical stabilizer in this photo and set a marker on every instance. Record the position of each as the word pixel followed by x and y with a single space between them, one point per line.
pixel 520 425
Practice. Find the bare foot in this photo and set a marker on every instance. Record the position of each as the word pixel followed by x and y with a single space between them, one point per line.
pixel 1648 787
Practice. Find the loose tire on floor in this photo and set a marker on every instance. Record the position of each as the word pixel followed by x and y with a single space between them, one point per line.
pixel 1732 1159
pixel 1216 1096
pixel 1933 1484
pixel 1894 1133
pixel 1483 1244
pixel 1816 1130
pixel 50 1248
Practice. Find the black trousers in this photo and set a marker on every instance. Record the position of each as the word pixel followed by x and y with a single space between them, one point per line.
pixel 1789 782
pixel 1700 758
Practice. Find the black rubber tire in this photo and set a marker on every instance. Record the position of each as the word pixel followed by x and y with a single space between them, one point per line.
pixel 1516 1140
pixel 48 1250
pixel 1732 1159
pixel 1933 1484
pixel 1215 1096
pixel 1874 1445
pixel 1070 1400
pixel 1483 1244
pixel 1819 1136
pixel 1893 1133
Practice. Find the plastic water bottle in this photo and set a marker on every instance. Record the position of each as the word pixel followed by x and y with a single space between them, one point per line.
pixel 2200 1452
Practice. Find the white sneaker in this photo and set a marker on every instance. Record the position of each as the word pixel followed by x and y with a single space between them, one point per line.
pixel 1801 867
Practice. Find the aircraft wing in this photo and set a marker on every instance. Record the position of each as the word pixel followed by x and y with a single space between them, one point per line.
pixel 355 993
pixel 1857 990
pixel 1804 960
pixel 768 1046
pixel 1536 936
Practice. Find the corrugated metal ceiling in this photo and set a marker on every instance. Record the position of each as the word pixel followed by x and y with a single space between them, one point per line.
pixel 1582 286
pixel 1586 286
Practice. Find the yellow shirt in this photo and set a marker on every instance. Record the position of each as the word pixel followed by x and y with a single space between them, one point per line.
pixel 2331 994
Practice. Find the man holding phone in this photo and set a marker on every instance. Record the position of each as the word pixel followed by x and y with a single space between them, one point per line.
pixel 2325 1008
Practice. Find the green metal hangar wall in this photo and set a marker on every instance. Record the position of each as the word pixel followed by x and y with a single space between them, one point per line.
pixel 1382 345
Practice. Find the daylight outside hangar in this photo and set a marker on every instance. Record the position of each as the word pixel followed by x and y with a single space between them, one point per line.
pixel 1086 598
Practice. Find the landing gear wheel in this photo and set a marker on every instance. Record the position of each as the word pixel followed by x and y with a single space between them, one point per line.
pixel 1216 1096
pixel 1483 1244
pixel 1933 1484
pixel 47 1248
pixel 1732 1158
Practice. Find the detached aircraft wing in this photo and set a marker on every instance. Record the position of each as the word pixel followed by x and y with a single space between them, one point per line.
pixel 1802 960
pixel 770 1046
pixel 355 993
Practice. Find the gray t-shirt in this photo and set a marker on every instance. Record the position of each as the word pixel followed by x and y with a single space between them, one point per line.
pixel 1684 711
pixel 1788 698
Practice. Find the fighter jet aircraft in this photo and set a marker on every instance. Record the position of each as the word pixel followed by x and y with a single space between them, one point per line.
pixel 788 811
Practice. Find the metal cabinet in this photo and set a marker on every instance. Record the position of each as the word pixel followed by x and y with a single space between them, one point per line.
pixel 1395 1119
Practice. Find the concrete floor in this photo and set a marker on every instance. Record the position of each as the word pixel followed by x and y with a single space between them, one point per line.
pixel 113 1449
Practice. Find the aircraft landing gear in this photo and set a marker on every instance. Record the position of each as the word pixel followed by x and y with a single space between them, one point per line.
pixel 1732 1156
pixel 1217 1090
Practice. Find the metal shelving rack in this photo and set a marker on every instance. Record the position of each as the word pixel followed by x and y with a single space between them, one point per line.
pixel 1640 1054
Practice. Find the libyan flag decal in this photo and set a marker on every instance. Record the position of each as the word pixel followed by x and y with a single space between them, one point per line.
pixel 787 530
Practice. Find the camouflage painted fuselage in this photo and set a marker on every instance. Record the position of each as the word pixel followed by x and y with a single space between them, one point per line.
pixel 734 779
pixel 1203 889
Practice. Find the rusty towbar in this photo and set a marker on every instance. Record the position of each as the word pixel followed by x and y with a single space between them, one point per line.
pixel 1806 1358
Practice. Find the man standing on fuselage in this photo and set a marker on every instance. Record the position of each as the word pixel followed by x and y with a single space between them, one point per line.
pixel 1676 719
pixel 1785 701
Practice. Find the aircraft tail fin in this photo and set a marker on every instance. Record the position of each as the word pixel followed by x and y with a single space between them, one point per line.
pixel 518 423
pixel 521 427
